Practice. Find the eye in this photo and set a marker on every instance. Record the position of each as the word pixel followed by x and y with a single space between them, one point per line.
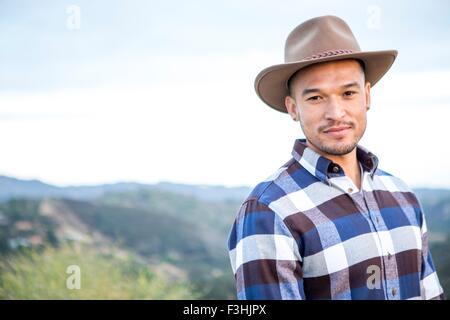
pixel 315 98
pixel 349 93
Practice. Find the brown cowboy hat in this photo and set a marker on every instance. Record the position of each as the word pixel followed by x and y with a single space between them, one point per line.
pixel 320 39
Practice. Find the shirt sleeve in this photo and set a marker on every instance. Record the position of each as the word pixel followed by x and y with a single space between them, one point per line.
pixel 264 255
pixel 429 282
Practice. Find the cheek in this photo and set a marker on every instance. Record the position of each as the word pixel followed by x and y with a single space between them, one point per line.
pixel 360 119
pixel 310 119
pixel 307 124
pixel 357 108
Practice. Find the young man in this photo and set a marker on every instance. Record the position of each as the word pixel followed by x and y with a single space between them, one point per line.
pixel 329 224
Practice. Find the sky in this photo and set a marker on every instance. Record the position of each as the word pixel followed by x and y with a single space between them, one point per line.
pixel 105 91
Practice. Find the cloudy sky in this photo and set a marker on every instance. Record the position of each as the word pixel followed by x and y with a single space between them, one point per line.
pixel 103 91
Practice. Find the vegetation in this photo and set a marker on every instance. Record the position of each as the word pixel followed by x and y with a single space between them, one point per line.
pixel 155 234
pixel 441 257
pixel 42 274
pixel 142 244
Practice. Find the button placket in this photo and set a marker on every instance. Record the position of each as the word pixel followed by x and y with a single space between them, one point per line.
pixel 365 203
pixel 359 203
pixel 368 206
pixel 388 260
pixel 373 217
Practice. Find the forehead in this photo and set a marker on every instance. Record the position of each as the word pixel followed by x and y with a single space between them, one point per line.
pixel 329 74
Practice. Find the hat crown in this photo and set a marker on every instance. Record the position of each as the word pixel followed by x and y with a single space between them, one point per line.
pixel 319 37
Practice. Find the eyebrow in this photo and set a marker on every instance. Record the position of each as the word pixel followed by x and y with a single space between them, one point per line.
pixel 345 86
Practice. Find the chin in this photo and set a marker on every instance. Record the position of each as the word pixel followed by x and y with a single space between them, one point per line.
pixel 338 147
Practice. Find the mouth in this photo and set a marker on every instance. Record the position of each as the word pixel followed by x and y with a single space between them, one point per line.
pixel 337 132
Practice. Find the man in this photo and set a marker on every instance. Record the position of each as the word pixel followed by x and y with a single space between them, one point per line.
pixel 329 224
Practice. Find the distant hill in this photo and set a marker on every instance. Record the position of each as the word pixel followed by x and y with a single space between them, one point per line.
pixel 180 230
pixel 435 201
pixel 206 192
pixel 35 189
pixel 436 204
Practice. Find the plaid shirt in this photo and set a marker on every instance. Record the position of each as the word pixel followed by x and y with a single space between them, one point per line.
pixel 307 232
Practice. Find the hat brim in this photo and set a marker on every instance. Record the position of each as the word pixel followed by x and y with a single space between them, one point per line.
pixel 271 83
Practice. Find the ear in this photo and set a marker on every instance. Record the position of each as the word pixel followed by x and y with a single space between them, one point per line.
pixel 291 107
pixel 367 88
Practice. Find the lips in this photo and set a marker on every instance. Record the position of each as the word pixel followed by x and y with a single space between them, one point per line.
pixel 337 132
pixel 337 129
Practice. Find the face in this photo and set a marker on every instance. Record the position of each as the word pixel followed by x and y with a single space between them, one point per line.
pixel 330 100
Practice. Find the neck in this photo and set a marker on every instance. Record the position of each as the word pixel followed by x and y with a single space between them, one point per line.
pixel 348 162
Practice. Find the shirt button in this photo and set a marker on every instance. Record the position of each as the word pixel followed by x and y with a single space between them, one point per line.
pixel 378 220
pixel 389 256
pixel 349 190
pixel 335 169
pixel 394 291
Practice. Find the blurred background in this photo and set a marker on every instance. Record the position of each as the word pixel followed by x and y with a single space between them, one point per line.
pixel 130 133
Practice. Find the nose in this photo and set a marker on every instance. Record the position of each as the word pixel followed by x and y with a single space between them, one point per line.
pixel 335 109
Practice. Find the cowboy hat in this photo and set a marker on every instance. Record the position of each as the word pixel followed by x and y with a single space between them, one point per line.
pixel 320 39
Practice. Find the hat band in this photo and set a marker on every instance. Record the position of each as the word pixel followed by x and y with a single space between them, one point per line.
pixel 328 54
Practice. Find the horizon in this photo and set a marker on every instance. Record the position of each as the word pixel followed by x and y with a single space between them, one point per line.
pixel 163 182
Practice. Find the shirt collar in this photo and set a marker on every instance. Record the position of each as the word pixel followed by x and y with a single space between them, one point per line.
pixel 323 168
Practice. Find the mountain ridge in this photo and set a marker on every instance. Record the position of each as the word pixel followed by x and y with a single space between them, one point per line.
pixel 11 187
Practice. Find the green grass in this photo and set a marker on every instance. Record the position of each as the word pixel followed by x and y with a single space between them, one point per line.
pixel 42 275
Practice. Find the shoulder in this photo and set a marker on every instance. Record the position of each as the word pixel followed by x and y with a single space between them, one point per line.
pixel 392 182
pixel 400 190
pixel 256 218
pixel 269 190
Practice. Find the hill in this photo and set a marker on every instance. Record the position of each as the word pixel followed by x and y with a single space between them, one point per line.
pixel 178 231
